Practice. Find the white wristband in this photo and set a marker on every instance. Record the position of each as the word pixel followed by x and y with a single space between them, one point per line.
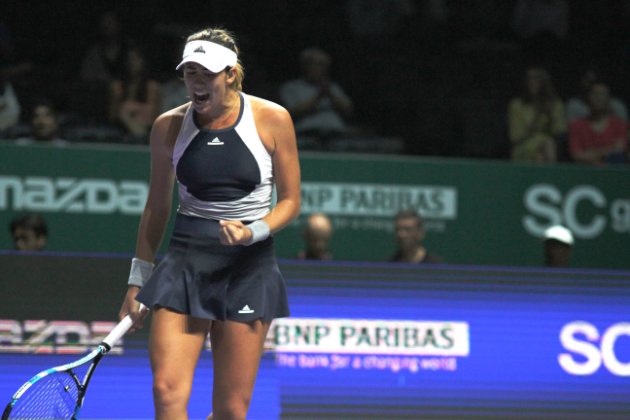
pixel 140 272
pixel 260 231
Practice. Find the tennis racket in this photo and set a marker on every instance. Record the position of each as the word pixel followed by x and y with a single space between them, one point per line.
pixel 58 393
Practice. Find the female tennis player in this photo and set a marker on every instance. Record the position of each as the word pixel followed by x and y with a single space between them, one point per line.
pixel 226 149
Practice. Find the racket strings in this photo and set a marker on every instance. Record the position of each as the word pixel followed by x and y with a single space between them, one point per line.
pixel 52 397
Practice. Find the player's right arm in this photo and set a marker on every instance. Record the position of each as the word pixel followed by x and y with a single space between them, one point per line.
pixel 158 206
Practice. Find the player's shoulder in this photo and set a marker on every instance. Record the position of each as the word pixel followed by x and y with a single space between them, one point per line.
pixel 168 124
pixel 175 113
pixel 259 103
pixel 266 109
pixel 173 116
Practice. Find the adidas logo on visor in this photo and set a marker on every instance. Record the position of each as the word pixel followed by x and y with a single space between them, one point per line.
pixel 200 50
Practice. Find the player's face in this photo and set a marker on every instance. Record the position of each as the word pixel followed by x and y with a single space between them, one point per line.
pixel 207 90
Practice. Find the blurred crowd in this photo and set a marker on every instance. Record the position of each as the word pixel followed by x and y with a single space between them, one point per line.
pixel 29 233
pixel 527 80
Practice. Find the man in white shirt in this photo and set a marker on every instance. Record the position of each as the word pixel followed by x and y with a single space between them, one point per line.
pixel 318 105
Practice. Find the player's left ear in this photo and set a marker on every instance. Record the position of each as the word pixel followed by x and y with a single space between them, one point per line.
pixel 230 74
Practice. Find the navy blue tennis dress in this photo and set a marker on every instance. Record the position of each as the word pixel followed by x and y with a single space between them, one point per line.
pixel 222 174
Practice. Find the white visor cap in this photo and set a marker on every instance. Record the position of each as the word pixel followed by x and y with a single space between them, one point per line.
pixel 212 56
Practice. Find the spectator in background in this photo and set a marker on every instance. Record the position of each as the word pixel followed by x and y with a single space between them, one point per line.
pixel 536 119
pixel 44 126
pixel 558 244
pixel 9 105
pixel 104 60
pixel 29 233
pixel 317 234
pixel 578 107
pixel 318 105
pixel 410 234
pixel 173 93
pixel 135 98
pixel 10 68
pixel 601 137
pixel 173 90
pixel 101 64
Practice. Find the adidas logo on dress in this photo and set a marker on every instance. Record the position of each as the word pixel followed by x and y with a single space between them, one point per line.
pixel 215 142
pixel 246 310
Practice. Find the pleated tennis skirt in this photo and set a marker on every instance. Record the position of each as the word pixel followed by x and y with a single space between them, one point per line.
pixel 202 278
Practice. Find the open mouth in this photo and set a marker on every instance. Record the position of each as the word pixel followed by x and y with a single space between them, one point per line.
pixel 201 98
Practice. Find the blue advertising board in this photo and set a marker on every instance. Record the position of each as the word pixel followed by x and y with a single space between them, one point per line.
pixel 370 341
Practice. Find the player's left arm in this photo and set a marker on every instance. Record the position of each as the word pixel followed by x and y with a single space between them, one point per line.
pixel 278 135
pixel 286 166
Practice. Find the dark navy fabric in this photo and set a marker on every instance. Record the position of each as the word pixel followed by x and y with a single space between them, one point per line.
pixel 218 166
pixel 200 277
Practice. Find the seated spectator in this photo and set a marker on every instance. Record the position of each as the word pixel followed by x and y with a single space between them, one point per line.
pixel 601 137
pixel 318 105
pixel 11 68
pixel 317 234
pixel 174 94
pixel 29 233
pixel 558 244
pixel 9 106
pixel 44 126
pixel 577 106
pixel 410 234
pixel 536 120
pixel 135 98
pixel 172 87
pixel 104 60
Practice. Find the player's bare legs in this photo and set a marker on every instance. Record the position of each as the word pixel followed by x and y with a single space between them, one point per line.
pixel 175 345
pixel 236 351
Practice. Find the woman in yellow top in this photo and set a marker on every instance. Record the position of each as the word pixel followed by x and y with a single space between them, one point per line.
pixel 536 119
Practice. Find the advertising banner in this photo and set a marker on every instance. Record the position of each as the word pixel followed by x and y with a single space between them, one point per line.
pixel 363 339
pixel 476 212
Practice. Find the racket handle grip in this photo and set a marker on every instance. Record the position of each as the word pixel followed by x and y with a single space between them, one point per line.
pixel 119 330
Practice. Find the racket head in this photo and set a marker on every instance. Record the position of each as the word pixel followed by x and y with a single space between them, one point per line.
pixel 58 393
pixel 51 394
pixel 55 393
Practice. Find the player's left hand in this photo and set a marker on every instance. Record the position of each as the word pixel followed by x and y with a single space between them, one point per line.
pixel 233 232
